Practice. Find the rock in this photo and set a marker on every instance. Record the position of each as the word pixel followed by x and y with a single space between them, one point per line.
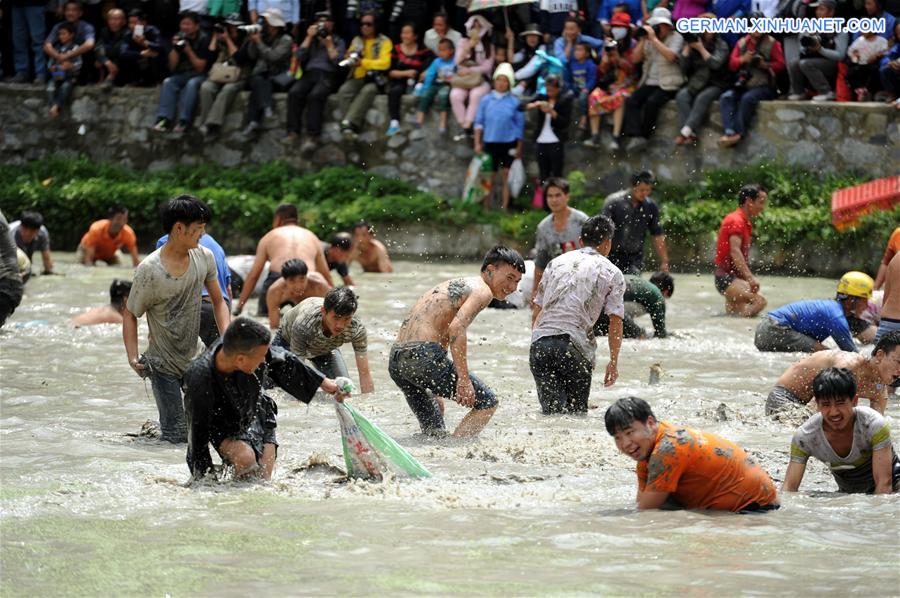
pixel 877 123
pixel 788 114
pixel 160 165
pixel 813 132
pixel 857 153
pixel 368 138
pixel 34 103
pixel 375 118
pixel 830 125
pixel 390 156
pixel 220 154
pixel 805 152
pixel 85 109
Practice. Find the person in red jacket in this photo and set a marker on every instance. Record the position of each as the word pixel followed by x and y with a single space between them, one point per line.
pixel 757 59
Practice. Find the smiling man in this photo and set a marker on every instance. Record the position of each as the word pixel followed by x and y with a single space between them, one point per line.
pixel 418 361
pixel 855 442
pixel 685 468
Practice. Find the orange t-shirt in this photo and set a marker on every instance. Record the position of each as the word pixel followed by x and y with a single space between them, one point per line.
pixel 104 246
pixel 704 471
pixel 893 246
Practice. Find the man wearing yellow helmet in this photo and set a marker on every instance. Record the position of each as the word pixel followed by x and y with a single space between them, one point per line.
pixel 803 325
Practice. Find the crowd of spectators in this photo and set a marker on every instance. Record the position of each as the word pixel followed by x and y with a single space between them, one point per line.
pixel 561 63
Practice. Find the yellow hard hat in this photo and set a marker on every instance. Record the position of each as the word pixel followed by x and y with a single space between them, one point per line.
pixel 856 284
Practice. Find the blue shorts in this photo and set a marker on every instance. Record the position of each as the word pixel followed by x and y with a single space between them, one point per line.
pixel 423 372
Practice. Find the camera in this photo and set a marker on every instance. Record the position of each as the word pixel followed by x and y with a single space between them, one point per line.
pixel 180 41
pixel 218 27
pixel 322 30
pixel 689 37
pixel 641 32
pixel 250 29
pixel 351 61
pixel 809 41
pixel 757 60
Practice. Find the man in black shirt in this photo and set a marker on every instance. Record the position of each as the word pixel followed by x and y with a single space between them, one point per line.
pixel 225 403
pixel 634 213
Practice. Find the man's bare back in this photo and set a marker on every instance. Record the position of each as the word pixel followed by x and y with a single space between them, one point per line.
pixel 430 318
pixel 291 242
pixel 891 307
pixel 106 314
pixel 798 378
pixel 373 257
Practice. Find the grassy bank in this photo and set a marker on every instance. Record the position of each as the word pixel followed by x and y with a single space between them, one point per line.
pixel 73 192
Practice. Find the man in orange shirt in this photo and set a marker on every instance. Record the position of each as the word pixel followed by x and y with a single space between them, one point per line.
pixel 893 247
pixel 106 237
pixel 686 468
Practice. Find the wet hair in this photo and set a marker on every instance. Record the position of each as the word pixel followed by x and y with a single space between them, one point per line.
pixel 185 209
pixel 118 292
pixel 67 27
pixel 558 182
pixel 626 411
pixel 664 282
pixel 342 301
pixel 117 209
pixel 643 176
pixel 750 191
pixel 244 335
pixel 887 343
pixel 287 212
pixel 137 12
pixel 447 42
pixel 834 383
pixel 498 254
pixel 364 224
pixel 342 241
pixel 189 14
pixel 31 220
pixel 596 230
pixel 294 267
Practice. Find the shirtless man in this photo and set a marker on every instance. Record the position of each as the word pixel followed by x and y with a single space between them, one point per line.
pixel 292 288
pixel 371 254
pixel 110 313
pixel 286 240
pixel 890 307
pixel 873 374
pixel 418 361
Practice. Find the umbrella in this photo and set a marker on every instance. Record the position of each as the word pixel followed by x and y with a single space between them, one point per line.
pixel 476 5
pixel 850 204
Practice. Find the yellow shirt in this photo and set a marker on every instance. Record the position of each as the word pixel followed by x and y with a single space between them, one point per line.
pixel 371 62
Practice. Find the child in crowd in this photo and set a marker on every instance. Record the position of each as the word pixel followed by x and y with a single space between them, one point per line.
pixel 63 73
pixel 583 77
pixel 436 85
pixel 864 55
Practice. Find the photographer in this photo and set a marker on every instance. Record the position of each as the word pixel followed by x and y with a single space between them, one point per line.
pixel 819 58
pixel 142 58
pixel 658 49
pixel 271 49
pixel 368 58
pixel 319 55
pixel 227 76
pixel 187 63
pixel 704 60
pixel 757 58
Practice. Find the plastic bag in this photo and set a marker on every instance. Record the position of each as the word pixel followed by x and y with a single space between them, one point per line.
pixel 369 452
pixel 479 179
pixel 516 178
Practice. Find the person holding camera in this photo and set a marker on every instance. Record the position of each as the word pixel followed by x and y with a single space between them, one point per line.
pixel 757 58
pixel 270 48
pixel 142 58
pixel 318 55
pixel 657 49
pixel 227 76
pixel 705 63
pixel 187 63
pixel 820 55
pixel 368 58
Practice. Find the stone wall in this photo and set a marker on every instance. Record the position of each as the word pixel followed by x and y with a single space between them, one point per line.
pixel 114 126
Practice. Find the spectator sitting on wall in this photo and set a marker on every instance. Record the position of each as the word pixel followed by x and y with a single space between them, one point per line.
pixel 111 44
pixel 582 79
pixel 564 46
pixel 436 85
pixel 84 35
pixel 474 57
pixel 65 65
pixel 142 60
pixel 889 68
pixel 408 63
pixel 532 37
pixel 318 55
pixel 756 59
pixel 187 63
pixel 216 97
pixel 820 55
pixel 270 49
pixel 864 56
pixel 289 10
pixel 617 78
pixel 440 29
pixel 704 60
pixel 658 52
pixel 369 58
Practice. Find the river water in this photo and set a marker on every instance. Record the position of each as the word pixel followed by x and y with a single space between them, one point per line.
pixel 535 505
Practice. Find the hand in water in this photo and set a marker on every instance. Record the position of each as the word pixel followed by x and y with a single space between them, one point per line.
pixel 612 374
pixel 465 392
pixel 331 387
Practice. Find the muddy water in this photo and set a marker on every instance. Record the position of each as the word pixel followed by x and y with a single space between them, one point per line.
pixel 536 505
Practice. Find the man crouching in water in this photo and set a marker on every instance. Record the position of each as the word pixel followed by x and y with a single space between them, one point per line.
pixel 225 404
pixel 418 361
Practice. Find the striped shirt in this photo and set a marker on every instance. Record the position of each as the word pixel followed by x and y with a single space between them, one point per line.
pixel 301 327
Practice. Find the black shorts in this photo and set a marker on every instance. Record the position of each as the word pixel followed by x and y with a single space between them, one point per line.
pixel 500 155
pixel 723 282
